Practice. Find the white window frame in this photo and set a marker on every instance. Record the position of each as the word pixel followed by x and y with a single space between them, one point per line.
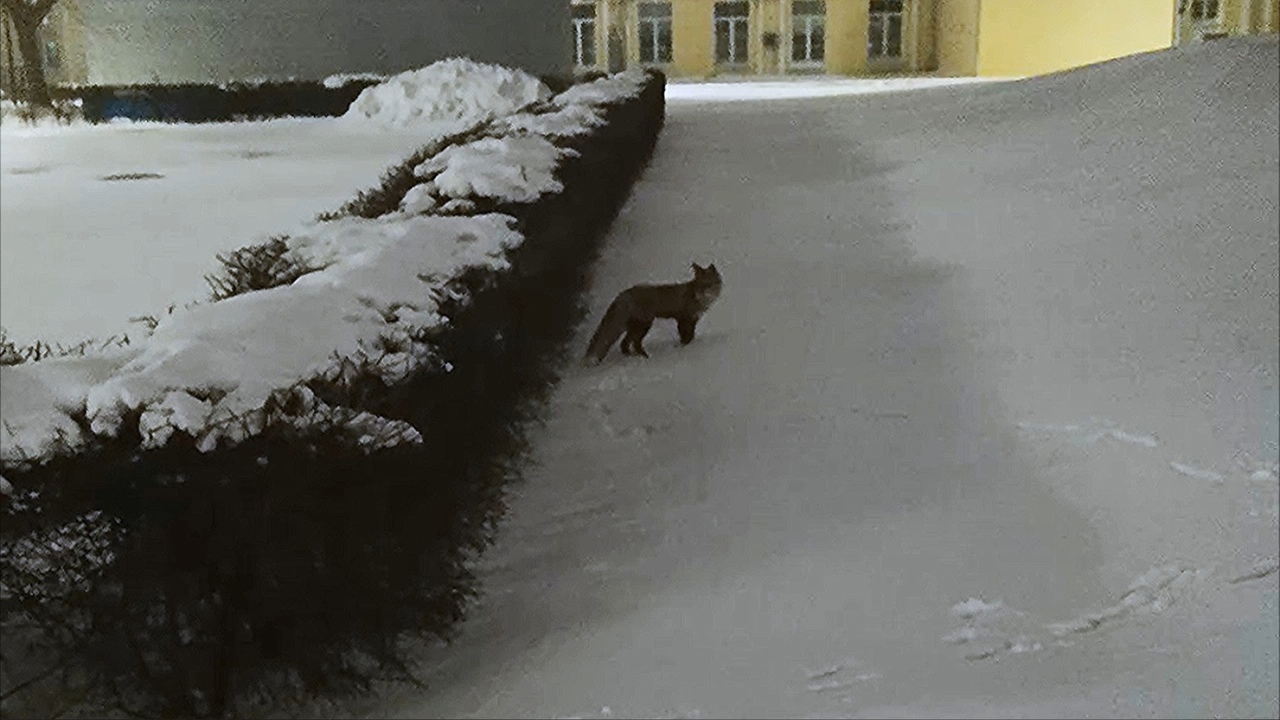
pixel 883 41
pixel 585 29
pixel 651 55
pixel 736 23
pixel 811 23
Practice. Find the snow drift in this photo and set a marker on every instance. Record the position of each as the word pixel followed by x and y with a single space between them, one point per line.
pixel 450 90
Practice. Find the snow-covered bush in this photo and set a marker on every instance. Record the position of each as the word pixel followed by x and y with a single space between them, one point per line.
pixel 256 267
pixel 296 476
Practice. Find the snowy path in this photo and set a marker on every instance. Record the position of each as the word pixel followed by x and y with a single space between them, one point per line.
pixel 903 470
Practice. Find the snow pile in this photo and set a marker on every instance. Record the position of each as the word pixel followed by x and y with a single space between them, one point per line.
pixel 603 90
pixel 338 80
pixel 39 398
pixel 456 89
pixel 509 169
pixel 515 162
pixel 570 120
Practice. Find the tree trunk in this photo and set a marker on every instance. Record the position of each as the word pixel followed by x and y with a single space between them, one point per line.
pixel 34 86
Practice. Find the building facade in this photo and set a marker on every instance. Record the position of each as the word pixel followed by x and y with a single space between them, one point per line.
pixel 706 38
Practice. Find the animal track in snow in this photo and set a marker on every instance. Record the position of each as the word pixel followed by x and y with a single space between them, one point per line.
pixel 838 677
pixel 1260 569
pixel 1198 473
pixel 991 628
pixel 1091 432
pixel 1152 592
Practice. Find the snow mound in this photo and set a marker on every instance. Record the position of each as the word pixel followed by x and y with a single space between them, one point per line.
pixel 337 80
pixel 603 90
pixel 452 89
pixel 573 119
pixel 512 169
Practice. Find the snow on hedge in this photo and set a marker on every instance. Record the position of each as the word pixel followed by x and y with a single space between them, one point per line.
pixel 605 90
pixel 511 169
pixel 447 90
pixel 570 120
pixel 338 80
pixel 370 305
pixel 219 372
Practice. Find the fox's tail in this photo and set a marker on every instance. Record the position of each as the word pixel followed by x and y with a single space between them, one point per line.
pixel 611 327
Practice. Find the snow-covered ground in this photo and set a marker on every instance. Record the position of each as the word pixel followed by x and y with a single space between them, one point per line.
pixel 727 89
pixel 984 423
pixel 82 253
pixel 101 223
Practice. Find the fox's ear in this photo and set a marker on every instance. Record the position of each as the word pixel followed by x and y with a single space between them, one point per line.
pixel 696 268
pixel 712 268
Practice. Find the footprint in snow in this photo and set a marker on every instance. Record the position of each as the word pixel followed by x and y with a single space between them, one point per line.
pixel 840 676
pixel 1089 433
pixel 990 628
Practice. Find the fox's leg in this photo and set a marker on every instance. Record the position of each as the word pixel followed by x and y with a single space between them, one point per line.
pixel 685 326
pixel 636 330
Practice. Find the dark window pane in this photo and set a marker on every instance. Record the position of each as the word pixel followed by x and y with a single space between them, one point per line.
pixel 655 9
pixel 807 7
pixel 817 36
pixel 722 42
pixel 893 36
pixel 732 9
pixel 664 43
pixel 799 49
pixel 885 6
pixel 584 12
pixel 875 36
pixel 646 41
pixel 740 42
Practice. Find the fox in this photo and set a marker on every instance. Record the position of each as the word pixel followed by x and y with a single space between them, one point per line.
pixel 633 311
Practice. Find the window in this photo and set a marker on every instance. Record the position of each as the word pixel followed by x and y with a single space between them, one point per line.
pixel 731 32
pixel 584 34
pixel 808 19
pixel 1204 9
pixel 884 31
pixel 655 32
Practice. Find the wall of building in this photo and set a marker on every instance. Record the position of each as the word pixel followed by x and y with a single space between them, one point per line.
pixel 692 37
pixel 846 42
pixel 956 24
pixel 219 40
pixel 1020 38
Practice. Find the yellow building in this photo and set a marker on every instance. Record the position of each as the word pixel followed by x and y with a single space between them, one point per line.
pixel 705 38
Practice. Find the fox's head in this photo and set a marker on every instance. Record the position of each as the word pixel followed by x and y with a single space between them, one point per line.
pixel 707 283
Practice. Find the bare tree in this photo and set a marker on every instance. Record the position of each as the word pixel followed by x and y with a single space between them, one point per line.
pixel 26 16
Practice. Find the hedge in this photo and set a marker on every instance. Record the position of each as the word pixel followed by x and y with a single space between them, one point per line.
pixel 295 561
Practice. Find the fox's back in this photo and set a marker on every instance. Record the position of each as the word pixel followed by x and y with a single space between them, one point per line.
pixel 663 301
